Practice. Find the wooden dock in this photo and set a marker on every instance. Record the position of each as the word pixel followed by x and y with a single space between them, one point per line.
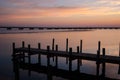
pixel 19 54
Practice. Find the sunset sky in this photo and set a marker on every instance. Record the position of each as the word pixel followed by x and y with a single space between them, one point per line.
pixel 60 12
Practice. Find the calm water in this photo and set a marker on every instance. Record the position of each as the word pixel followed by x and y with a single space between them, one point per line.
pixel 109 38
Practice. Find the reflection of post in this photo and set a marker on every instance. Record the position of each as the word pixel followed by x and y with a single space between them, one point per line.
pixel 16 69
pixel 119 57
pixel 103 65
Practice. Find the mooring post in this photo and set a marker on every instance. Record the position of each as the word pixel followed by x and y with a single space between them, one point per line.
pixel 103 64
pixel 81 43
pixel 70 59
pixel 53 45
pixel 56 57
pixel 67 45
pixel 99 46
pixel 98 65
pixel 29 60
pixel 78 60
pixel 23 46
pixel 13 45
pixel 66 50
pixel 39 55
pixel 119 57
pixel 48 56
pixel 81 46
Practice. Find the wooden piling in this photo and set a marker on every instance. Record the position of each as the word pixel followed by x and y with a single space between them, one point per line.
pixel 23 46
pixel 119 56
pixel 98 65
pixel 78 60
pixel 81 46
pixel 29 60
pixel 56 58
pixel 53 45
pixel 48 56
pixel 70 59
pixel 81 43
pixel 67 45
pixel 99 46
pixel 13 45
pixel 66 50
pixel 103 64
pixel 39 55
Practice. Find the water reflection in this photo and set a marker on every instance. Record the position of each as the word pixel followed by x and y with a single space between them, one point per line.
pixel 109 38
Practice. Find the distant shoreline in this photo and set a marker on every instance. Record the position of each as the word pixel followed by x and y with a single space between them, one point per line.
pixel 43 31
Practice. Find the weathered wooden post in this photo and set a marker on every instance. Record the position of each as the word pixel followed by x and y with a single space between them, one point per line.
pixel 99 46
pixel 48 56
pixel 66 50
pixel 67 45
pixel 13 45
pixel 39 55
pixel 13 55
pixel 49 76
pixel 56 57
pixel 29 60
pixel 78 60
pixel 53 45
pixel 119 56
pixel 98 65
pixel 70 59
pixel 23 46
pixel 81 46
pixel 103 64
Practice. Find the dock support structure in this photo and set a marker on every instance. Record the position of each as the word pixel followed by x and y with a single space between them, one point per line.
pixel 56 62
pixel 81 46
pixel 49 75
pixel 53 45
pixel 70 59
pixel 119 57
pixel 23 53
pixel 78 60
pixel 29 59
pixel 67 50
pixel 103 64
pixel 39 55
pixel 97 65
